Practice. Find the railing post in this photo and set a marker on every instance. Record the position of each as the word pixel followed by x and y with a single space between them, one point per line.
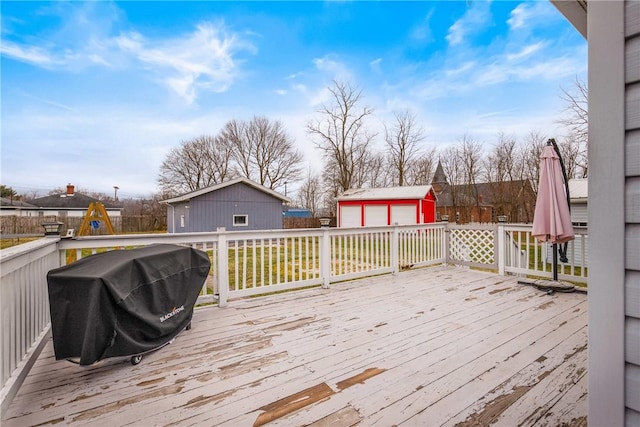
pixel 223 268
pixel 62 254
pixel 500 248
pixel 325 258
pixel 395 250
pixel 446 241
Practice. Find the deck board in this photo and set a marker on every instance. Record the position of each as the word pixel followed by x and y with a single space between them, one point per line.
pixel 436 346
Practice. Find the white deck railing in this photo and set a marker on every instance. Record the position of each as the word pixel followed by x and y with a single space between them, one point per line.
pixel 523 255
pixel 24 309
pixel 257 262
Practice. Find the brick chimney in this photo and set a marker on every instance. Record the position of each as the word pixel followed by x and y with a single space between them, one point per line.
pixel 70 190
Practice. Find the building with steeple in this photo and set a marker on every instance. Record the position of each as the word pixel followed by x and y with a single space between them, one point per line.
pixel 483 202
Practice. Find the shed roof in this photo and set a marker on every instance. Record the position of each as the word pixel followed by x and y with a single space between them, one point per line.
pixel 188 196
pixel 417 192
pixel 579 189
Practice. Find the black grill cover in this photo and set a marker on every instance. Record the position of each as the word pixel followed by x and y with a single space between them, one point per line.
pixel 124 302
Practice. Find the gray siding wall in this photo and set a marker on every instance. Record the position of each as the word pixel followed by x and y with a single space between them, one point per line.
pixel 210 211
pixel 607 230
pixel 632 212
pixel 178 218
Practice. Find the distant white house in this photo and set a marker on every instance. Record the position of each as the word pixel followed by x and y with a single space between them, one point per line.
pixel 9 207
pixel 578 196
pixel 67 204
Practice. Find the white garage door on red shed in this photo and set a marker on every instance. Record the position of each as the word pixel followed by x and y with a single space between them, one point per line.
pixel 403 214
pixel 375 215
pixel 350 216
pixel 374 207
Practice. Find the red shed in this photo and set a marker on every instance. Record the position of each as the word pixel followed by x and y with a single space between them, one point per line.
pixel 371 207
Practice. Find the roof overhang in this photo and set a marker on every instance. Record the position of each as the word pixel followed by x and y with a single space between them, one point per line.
pixel 188 196
pixel 416 192
pixel 575 11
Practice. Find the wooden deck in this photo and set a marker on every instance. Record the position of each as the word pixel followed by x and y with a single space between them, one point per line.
pixel 429 347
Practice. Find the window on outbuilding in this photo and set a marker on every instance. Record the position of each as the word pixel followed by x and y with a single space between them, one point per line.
pixel 240 220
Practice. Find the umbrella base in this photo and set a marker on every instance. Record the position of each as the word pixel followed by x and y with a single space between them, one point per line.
pixel 549 286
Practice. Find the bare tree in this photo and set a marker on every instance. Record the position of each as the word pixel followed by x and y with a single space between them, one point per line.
pixel 374 171
pixel 145 214
pixel 197 163
pixel 461 164
pixel 534 144
pixel 505 176
pixel 423 168
pixel 402 140
pixel 262 151
pixel 576 110
pixel 501 162
pixel 310 193
pixel 470 156
pixel 341 135
pixel 574 156
pixel 453 170
pixel 576 119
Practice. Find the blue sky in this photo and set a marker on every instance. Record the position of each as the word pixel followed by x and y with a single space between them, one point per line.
pixel 97 93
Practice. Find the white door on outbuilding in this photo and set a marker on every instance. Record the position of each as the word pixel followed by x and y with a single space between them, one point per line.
pixel 375 215
pixel 579 213
pixel 403 214
pixel 350 216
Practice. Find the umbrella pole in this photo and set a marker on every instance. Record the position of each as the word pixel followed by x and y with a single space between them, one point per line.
pixel 554 267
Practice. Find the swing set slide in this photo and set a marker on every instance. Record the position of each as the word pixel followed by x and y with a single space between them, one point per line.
pixel 96 213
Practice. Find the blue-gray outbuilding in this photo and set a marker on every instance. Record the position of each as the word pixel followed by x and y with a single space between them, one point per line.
pixel 237 205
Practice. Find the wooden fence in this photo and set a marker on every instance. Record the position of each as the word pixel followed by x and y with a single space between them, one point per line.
pixel 289 223
pixel 16 225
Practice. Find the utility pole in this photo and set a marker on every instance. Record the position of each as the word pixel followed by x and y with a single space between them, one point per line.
pixel 115 192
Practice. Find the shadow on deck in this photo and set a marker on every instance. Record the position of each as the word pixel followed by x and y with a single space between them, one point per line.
pixel 428 347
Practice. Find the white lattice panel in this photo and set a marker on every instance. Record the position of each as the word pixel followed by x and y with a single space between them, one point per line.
pixel 472 246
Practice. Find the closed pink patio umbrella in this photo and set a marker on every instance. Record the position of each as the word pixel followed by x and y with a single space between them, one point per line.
pixel 552 218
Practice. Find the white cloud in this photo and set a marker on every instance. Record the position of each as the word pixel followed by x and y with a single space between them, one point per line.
pixel 477 17
pixel 93 148
pixel 526 51
pixel 336 69
pixel 206 59
pixel 462 69
pixel 99 60
pixel 527 15
pixel 319 96
pixel 80 40
pixel 518 17
pixel 422 32
pixel 31 54
pixel 312 98
pixel 477 69
pixel 375 64
pixel 202 60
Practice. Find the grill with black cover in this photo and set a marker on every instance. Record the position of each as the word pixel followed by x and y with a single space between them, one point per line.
pixel 124 302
